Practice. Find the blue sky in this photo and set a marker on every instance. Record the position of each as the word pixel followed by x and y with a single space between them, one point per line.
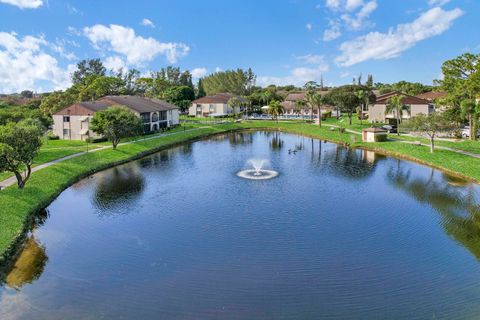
pixel 290 41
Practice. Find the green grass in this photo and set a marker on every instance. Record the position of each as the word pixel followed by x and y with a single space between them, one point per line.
pixel 17 206
pixel 44 185
pixel 56 149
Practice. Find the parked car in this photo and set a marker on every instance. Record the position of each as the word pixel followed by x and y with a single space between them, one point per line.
pixel 391 128
pixel 466 132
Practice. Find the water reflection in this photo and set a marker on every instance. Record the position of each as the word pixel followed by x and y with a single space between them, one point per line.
pixel 276 142
pixel 240 138
pixel 349 163
pixel 29 265
pixel 119 185
pixel 459 207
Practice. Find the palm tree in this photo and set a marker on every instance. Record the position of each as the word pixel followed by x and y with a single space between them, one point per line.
pixel 299 105
pixel 362 96
pixel 315 99
pixel 275 108
pixel 395 104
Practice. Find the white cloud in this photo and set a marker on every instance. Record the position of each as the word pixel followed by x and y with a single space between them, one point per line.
pixel 351 5
pixel 353 15
pixel 60 47
pixel 300 75
pixel 359 20
pixel 381 46
pixel 24 4
pixel 313 59
pixel 24 64
pixel 438 3
pixel 199 72
pixel 147 23
pixel 218 69
pixel 333 32
pixel 333 4
pixel 115 63
pixel 309 26
pixel 136 49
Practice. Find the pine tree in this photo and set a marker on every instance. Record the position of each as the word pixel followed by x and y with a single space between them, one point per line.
pixel 200 89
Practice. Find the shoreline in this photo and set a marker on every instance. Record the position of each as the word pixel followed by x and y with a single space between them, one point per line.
pixel 26 215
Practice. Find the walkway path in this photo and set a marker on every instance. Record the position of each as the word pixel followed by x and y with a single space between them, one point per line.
pixel 418 143
pixel 12 180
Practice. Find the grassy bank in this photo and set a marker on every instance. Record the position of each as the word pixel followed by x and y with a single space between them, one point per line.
pixel 17 206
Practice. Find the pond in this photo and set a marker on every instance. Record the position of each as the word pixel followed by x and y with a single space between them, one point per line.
pixel 338 233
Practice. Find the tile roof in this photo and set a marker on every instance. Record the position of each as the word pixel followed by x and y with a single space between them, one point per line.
pixel 134 103
pixel 406 99
pixel 430 96
pixel 218 98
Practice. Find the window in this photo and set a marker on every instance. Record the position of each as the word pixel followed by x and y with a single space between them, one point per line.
pixel 154 117
pixel 66 118
pixel 66 131
pixel 145 117
pixel 163 115
pixel 212 108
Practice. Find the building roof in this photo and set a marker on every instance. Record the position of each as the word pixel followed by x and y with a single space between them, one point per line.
pixel 296 96
pixel 134 103
pixel 218 98
pixel 406 99
pixel 431 96
pixel 139 104
pixel 375 130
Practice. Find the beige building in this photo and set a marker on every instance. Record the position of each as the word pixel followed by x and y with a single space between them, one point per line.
pixel 214 106
pixel 377 111
pixel 291 108
pixel 73 122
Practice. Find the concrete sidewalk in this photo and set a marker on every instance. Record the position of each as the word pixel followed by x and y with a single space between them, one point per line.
pixel 12 180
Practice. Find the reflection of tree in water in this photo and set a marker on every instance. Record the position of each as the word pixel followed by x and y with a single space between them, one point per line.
pixel 117 186
pixel 29 265
pixel 239 138
pixel 458 207
pixel 348 163
pixel 276 143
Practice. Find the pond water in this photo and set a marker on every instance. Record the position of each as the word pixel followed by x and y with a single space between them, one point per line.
pixel 338 233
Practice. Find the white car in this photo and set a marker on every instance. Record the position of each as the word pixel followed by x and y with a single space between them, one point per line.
pixel 466 132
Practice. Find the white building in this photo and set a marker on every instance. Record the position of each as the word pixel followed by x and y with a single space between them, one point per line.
pixel 73 122
pixel 214 106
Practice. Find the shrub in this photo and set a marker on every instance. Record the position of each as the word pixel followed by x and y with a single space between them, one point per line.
pixel 95 140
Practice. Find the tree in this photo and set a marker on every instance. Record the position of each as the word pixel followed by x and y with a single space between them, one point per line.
pixel 56 101
pixel 315 99
pixel 88 68
pixel 470 109
pixel 19 144
pixel 239 82
pixel 181 96
pixel 461 82
pixel 345 99
pixel 27 94
pixel 101 86
pixel 275 108
pixel 430 125
pixel 299 105
pixel 236 102
pixel 115 123
pixel 311 87
pixel 396 105
pixel 200 90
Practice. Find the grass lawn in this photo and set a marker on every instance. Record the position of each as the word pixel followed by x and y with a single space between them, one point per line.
pixel 44 185
pixel 56 149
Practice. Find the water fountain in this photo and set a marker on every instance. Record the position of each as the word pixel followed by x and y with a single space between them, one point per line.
pixel 258 172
